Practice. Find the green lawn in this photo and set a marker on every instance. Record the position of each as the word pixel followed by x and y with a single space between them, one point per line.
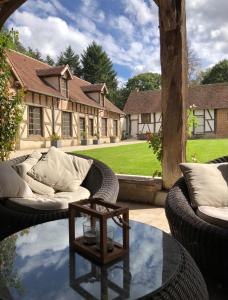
pixel 139 159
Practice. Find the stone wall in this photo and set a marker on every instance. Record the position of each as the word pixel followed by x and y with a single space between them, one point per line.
pixel 141 189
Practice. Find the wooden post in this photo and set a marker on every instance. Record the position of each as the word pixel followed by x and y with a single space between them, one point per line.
pixel 7 7
pixel 172 21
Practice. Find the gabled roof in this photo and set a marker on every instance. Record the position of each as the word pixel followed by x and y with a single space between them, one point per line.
pixel 96 87
pixel 143 102
pixel 25 69
pixel 55 71
pixel 208 96
pixel 76 94
pixel 30 73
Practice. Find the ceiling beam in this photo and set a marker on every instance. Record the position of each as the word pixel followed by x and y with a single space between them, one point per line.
pixel 7 7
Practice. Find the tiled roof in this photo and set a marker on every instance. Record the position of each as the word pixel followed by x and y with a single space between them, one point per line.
pixel 96 87
pixel 209 96
pixel 29 72
pixel 76 94
pixel 143 102
pixel 25 68
pixel 50 71
pixel 110 106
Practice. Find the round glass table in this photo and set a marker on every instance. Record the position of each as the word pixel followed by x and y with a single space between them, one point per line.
pixel 36 263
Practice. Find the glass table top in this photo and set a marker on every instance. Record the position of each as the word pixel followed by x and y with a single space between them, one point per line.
pixel 36 263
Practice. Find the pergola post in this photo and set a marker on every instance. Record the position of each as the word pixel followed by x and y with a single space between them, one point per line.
pixel 172 22
pixel 7 7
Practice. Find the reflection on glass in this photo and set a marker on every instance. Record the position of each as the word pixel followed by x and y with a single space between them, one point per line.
pixel 8 274
pixel 43 267
pixel 100 282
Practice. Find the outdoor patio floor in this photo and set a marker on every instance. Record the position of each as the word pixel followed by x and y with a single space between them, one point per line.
pixel 148 214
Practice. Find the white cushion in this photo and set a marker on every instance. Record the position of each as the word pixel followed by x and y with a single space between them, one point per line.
pixel 57 201
pixel 11 184
pixel 207 183
pixel 24 167
pixel 214 215
pixel 36 186
pixel 61 171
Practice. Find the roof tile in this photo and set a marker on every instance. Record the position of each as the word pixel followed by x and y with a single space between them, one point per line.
pixel 209 96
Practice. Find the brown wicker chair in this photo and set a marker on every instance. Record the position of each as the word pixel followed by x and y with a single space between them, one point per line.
pixel 207 243
pixel 100 181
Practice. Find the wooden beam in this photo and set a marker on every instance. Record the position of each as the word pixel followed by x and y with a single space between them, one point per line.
pixel 7 7
pixel 172 21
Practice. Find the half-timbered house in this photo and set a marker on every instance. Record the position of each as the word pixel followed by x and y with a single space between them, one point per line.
pixel 58 102
pixel 143 110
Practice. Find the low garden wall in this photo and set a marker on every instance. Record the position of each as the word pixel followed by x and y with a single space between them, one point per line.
pixel 141 189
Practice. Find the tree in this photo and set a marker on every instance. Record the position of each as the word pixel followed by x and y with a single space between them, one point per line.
pixel 11 107
pixel 15 41
pixel 68 57
pixel 34 54
pixel 218 73
pixel 97 67
pixel 141 82
pixel 49 60
pixel 193 65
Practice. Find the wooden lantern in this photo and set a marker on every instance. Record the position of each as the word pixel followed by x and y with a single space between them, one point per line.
pixel 100 211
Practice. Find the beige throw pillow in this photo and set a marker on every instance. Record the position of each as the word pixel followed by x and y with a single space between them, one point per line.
pixel 11 184
pixel 61 171
pixel 36 186
pixel 207 183
pixel 24 167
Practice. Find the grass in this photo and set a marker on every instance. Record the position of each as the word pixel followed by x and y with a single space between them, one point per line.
pixel 139 159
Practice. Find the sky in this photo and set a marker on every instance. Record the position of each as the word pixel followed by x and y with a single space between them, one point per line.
pixel 127 30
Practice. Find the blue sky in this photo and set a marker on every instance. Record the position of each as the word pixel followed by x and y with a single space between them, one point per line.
pixel 127 30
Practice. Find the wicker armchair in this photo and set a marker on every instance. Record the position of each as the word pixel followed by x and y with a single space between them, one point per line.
pixel 100 181
pixel 207 243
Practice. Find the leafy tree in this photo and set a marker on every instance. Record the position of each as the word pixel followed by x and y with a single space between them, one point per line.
pixel 34 54
pixel 11 108
pixel 49 60
pixel 218 73
pixel 97 67
pixel 15 41
pixel 141 82
pixel 68 57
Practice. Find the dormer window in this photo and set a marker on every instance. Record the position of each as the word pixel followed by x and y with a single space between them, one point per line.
pixel 64 87
pixel 96 92
pixel 57 78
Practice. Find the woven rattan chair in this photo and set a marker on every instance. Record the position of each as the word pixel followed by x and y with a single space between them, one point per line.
pixel 207 243
pixel 100 181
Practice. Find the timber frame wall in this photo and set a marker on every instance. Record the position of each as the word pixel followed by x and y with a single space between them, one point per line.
pixel 52 109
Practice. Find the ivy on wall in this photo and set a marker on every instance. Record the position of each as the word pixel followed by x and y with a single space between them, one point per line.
pixel 11 100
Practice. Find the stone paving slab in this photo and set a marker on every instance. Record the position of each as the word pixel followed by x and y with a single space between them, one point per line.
pixel 148 214
pixel 78 147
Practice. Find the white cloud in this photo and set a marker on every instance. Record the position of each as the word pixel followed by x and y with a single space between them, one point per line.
pixel 123 24
pixel 50 36
pixel 207 25
pixel 141 11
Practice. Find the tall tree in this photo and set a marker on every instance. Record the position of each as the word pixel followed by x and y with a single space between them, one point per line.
pixel 49 60
pixel 34 54
pixel 218 73
pixel 97 67
pixel 68 57
pixel 141 82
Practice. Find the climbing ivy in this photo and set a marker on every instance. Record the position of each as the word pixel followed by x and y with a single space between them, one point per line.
pixel 11 100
